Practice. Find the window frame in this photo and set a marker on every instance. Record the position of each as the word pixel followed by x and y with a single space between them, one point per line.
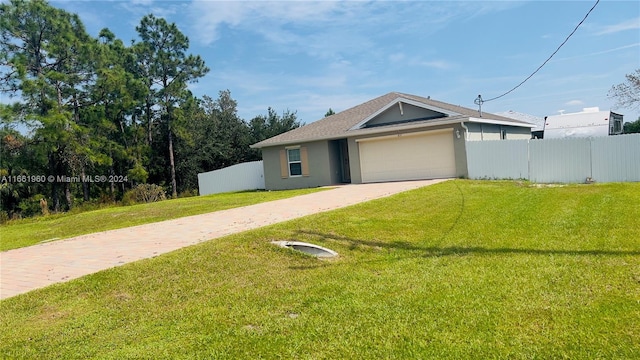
pixel 503 133
pixel 617 126
pixel 289 161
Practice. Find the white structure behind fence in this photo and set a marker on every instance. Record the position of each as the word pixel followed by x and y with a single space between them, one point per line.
pixel 571 160
pixel 245 176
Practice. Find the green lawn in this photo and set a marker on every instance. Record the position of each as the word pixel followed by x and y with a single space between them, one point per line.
pixel 458 270
pixel 21 233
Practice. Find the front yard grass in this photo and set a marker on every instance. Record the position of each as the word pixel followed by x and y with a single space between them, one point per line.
pixel 26 232
pixel 458 270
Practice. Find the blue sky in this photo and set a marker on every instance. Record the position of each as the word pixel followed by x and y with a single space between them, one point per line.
pixel 311 56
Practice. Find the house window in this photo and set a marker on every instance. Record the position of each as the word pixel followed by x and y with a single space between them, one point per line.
pixel 295 163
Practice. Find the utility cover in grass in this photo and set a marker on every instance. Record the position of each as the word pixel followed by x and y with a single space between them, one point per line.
pixel 311 249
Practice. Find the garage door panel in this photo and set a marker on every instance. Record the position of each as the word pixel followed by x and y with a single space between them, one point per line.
pixel 408 157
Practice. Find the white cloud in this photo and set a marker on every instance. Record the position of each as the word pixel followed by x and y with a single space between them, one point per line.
pixel 141 2
pixel 259 16
pixel 632 24
pixel 397 57
pixel 249 82
pixel 323 81
pixel 629 46
pixel 403 59
pixel 316 104
pixel 574 103
pixel 326 30
pixel 436 64
pixel 335 24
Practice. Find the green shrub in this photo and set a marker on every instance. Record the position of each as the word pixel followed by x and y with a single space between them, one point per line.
pixel 188 193
pixel 31 206
pixel 144 193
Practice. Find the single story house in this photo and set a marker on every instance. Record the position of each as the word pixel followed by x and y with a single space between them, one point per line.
pixel 393 137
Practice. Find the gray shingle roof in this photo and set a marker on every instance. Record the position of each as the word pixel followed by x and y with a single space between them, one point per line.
pixel 339 125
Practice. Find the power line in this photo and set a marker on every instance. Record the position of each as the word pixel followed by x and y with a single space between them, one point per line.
pixel 479 99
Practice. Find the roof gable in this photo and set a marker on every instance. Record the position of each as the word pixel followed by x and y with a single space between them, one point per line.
pixel 403 110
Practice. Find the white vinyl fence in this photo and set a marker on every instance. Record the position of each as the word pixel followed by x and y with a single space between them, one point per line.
pixel 573 160
pixel 245 176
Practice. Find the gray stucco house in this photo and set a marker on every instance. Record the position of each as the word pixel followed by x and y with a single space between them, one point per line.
pixel 390 138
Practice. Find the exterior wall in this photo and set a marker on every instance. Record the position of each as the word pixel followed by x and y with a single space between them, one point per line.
pixel 482 132
pixel 320 168
pixel 475 131
pixel 459 146
pixel 489 132
pixel 518 133
pixel 354 161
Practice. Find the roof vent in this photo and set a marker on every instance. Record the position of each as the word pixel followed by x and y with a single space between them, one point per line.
pixel 311 249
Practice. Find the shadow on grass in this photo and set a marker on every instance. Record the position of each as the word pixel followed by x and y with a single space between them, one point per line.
pixel 435 251
pixel 458 217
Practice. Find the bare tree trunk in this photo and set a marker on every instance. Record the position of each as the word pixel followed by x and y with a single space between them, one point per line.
pixel 85 185
pixel 124 135
pixel 112 185
pixel 174 191
pixel 67 195
pixel 149 117
pixel 54 184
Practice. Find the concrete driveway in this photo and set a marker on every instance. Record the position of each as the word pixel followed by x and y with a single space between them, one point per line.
pixel 37 266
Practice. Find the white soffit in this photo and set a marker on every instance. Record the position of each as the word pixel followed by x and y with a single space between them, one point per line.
pixel 406 101
pixel 500 122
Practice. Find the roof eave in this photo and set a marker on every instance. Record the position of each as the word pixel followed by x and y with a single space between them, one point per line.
pixel 298 141
pixel 367 131
pixel 500 122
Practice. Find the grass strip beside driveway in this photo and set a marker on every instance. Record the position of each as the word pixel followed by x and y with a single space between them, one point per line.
pixel 457 270
pixel 26 232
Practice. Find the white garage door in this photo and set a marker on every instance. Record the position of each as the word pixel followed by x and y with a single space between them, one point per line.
pixel 425 155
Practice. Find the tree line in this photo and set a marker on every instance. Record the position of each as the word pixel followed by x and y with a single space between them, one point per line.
pixel 103 116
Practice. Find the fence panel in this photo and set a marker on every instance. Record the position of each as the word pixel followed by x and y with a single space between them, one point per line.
pixel 560 160
pixel 498 159
pixel 245 176
pixel 569 160
pixel 616 158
